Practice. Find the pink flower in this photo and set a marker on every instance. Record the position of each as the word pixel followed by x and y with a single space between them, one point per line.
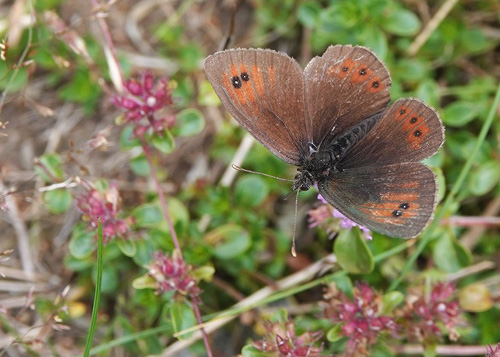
pixel 423 316
pixel 361 319
pixel 143 101
pixel 105 206
pixel 173 274
pixel 281 340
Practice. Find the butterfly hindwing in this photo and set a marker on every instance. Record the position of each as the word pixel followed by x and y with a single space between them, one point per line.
pixel 264 91
pixel 397 200
pixel 343 86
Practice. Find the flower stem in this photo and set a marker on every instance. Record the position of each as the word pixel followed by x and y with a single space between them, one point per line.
pixel 163 202
pixel 427 235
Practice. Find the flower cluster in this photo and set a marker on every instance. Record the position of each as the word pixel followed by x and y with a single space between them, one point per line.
pixel 319 215
pixel 143 100
pixel 173 274
pixel 106 206
pixel 360 317
pixel 282 341
pixel 423 315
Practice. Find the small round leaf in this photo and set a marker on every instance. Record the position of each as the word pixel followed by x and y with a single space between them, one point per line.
pixel 352 252
pixel 189 122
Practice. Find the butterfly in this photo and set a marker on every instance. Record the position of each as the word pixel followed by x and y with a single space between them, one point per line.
pixel 333 121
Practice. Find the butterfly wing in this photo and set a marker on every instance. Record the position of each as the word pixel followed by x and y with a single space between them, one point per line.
pixel 264 91
pixel 397 200
pixel 381 184
pixel 343 86
pixel 408 131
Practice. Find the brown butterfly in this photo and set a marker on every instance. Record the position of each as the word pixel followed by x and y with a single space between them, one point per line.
pixel 332 120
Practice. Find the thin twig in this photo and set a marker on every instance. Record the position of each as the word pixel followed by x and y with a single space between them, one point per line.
pixel 473 269
pixel 431 26
pixel 451 350
pixel 461 221
pixel 473 236
pixel 230 173
pixel 23 241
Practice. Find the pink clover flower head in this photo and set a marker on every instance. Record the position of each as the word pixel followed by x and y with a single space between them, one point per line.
pixel 106 206
pixel 173 274
pixel 282 340
pixel 142 102
pixel 428 314
pixel 361 319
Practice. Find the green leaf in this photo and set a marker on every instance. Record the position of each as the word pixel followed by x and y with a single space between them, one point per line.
pixel 484 178
pixel 390 301
pixel 459 113
pixel 182 318
pixel 207 95
pixel 375 39
pixel 308 13
pixel 205 273
pixel 189 57
pixel 127 246
pixel 228 241
pixel 140 166
pixel 147 215
pixel 401 22
pixel 335 333
pixel 412 69
pixel 52 168
pixel 82 243
pixel 344 283
pixel 18 82
pixel 251 351
pixel 145 248
pixel 449 255
pixel 352 252
pixel 251 191
pixel 189 122
pixel 57 201
pixel 144 282
pixel 428 91
pixel 127 139
pixel 164 143
pixel 473 41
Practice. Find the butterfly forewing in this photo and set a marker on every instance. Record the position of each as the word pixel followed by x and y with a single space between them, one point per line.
pixel 408 131
pixel 397 200
pixel 343 86
pixel 264 91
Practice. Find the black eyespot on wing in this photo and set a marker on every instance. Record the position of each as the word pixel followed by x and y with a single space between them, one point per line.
pixel 402 111
pixel 375 84
pixel 397 213
pixel 362 71
pixel 404 205
pixel 236 82
pixel 413 120
pixel 417 133
pixel 345 69
pixel 245 77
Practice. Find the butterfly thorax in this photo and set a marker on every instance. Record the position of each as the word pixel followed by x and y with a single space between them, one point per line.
pixel 324 160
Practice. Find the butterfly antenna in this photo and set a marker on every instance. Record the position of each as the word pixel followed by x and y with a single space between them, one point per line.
pixel 293 250
pixel 236 167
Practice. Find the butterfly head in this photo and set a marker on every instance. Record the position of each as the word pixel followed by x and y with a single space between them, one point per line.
pixel 303 181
